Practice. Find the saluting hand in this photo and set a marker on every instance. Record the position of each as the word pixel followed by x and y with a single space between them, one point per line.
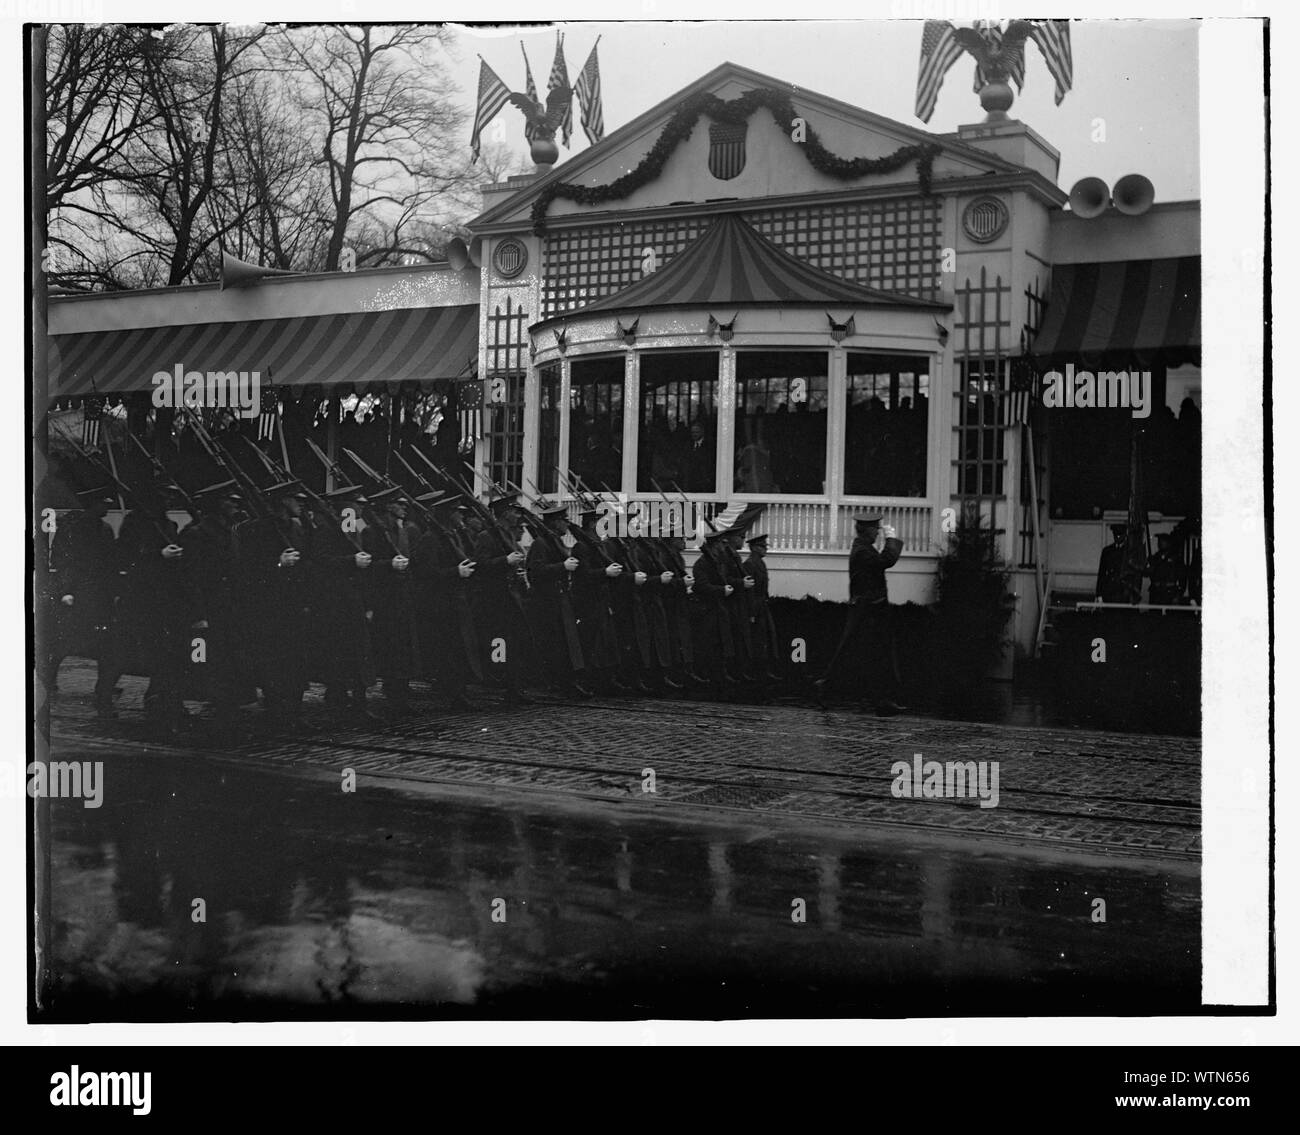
pixel 466 568
pixel 889 531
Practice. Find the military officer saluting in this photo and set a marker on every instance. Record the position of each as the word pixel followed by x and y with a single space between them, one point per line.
pixel 875 550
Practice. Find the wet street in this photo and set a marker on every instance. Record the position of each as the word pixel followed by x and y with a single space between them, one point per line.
pixel 434 897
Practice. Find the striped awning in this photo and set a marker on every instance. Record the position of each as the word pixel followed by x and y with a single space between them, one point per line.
pixel 1146 309
pixel 409 344
pixel 731 265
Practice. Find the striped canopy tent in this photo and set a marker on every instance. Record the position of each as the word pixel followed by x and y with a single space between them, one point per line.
pixel 1125 311
pixel 356 349
pixel 731 265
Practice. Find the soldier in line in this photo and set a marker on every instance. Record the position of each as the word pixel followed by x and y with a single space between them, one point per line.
pixel 652 582
pixel 389 539
pixel 714 590
pixel 551 570
pixel 339 569
pixel 83 583
pixel 444 566
pixel 276 595
pixel 677 606
pixel 875 550
pixel 499 590
pixel 629 614
pixel 594 606
pixel 213 559
pixel 157 608
pixel 761 627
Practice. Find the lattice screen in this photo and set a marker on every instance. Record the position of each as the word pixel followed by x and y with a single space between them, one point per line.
pixel 893 245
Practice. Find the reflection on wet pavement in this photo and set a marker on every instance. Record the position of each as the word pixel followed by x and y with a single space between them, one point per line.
pixel 338 905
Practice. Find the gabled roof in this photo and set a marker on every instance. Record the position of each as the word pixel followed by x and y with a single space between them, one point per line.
pixel 731 265
pixel 574 168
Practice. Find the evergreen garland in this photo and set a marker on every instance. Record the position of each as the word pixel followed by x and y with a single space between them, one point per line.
pixel 737 111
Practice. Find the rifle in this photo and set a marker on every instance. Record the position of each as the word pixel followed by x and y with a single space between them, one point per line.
pixel 123 489
pixel 251 491
pixel 340 474
pixel 160 470
pixel 277 470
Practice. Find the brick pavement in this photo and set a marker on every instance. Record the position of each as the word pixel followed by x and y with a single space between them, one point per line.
pixel 1134 795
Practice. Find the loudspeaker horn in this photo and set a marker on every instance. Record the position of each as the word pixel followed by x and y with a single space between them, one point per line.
pixel 457 253
pixel 1089 198
pixel 476 252
pixel 1134 194
pixel 236 272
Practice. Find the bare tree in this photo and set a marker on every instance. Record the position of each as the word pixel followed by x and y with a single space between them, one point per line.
pixel 380 103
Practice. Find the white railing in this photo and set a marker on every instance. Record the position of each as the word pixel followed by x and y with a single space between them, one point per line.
pixel 816 526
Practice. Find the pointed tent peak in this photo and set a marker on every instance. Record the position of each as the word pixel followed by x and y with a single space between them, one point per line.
pixel 732 265
pixel 721 76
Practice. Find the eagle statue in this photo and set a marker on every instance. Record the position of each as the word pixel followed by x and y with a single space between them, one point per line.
pixel 544 121
pixel 1001 58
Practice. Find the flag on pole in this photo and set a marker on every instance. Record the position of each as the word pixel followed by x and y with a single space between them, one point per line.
pixel 560 79
pixel 939 51
pixel 530 88
pixel 992 33
pixel 492 96
pixel 588 89
pixel 92 413
pixel 1023 392
pixel 1053 39
pixel 269 414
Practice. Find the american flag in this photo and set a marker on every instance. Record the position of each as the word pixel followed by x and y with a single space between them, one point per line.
pixel 560 78
pixel 530 89
pixel 1053 39
pixel 1023 395
pixel 493 94
pixel 992 34
pixel 469 399
pixel 588 88
pixel 267 417
pixel 92 413
pixel 939 51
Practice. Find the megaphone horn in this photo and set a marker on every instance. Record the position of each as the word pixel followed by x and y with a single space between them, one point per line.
pixel 235 272
pixel 457 253
pixel 1089 198
pixel 476 252
pixel 1134 194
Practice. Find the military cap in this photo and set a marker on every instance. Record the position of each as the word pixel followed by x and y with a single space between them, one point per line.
pixel 291 488
pixel 1119 529
pixel 431 496
pixel 445 502
pixel 757 541
pixel 394 494
pixel 222 490
pixel 502 501
pixel 347 493
pixel 99 493
pixel 551 508
pixel 867 521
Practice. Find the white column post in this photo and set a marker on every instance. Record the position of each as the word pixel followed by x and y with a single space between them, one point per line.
pixel 565 398
pixel 726 439
pixel 631 418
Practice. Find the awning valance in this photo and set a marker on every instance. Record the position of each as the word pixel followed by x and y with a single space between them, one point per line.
pixel 409 344
pixel 1146 309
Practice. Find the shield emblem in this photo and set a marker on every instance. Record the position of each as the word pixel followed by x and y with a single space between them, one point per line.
pixel 727 149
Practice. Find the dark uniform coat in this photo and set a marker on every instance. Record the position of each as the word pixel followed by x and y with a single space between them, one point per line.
pixel 391 597
pixel 554 621
pixel 593 604
pixel 449 644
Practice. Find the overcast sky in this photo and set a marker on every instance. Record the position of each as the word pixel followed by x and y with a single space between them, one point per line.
pixel 1139 77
